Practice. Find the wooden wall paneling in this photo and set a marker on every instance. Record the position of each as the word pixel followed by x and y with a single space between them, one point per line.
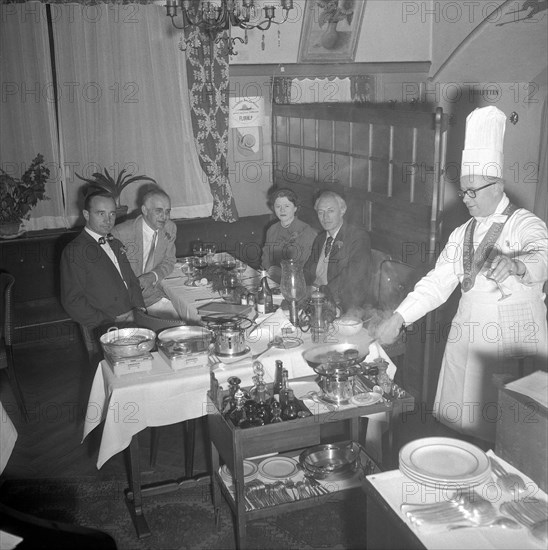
pixel 388 163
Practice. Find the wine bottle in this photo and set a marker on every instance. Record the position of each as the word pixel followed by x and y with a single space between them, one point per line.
pixel 264 296
pixel 284 391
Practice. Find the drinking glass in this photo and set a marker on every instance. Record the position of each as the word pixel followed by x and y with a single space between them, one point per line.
pixel 188 267
pixel 228 263
pixel 210 249
pixel 503 292
pixel 198 248
pixel 240 268
pixel 200 262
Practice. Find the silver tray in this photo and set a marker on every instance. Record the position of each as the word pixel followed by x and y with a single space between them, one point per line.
pixel 351 351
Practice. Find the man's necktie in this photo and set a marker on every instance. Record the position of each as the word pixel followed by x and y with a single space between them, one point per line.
pixel 103 240
pixel 328 246
pixel 150 258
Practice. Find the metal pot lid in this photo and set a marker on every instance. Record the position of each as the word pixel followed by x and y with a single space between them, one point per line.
pixel 221 321
pixel 184 333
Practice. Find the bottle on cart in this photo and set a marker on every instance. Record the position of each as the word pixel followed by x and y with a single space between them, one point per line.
pixel 264 296
pixel 262 408
pixel 229 401
pixel 284 391
pixel 290 412
pixel 278 377
pixel 275 412
pixel 237 414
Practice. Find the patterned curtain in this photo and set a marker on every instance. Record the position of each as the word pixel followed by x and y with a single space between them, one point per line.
pixel 207 73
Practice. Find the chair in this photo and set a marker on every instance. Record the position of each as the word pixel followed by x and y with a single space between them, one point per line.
pixel 152 322
pixel 6 340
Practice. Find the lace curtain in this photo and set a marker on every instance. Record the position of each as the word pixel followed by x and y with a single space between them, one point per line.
pixel 208 85
pixel 27 109
pixel 127 109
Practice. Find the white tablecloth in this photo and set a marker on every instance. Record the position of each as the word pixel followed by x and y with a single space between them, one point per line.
pixel 130 403
pixel 397 489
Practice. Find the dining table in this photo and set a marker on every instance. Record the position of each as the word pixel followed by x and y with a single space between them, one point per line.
pixel 128 404
pixel 388 526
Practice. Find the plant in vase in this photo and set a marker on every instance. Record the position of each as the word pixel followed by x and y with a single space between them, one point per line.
pixel 331 12
pixel 115 186
pixel 19 196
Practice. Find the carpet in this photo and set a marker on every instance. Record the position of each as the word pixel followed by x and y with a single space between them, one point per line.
pixel 184 519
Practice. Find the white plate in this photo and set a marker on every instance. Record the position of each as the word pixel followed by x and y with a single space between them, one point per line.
pixel 251 470
pixel 278 467
pixel 455 485
pixel 362 399
pixel 443 459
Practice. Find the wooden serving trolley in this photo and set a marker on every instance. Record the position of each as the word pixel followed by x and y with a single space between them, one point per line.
pixel 232 445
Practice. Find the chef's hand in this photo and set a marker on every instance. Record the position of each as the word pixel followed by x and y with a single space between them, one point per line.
pixel 503 267
pixel 147 280
pixel 389 330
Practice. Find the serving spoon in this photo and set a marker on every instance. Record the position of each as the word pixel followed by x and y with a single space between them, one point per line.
pixel 512 483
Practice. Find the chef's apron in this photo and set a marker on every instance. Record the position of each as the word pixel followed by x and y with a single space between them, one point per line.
pixel 487 337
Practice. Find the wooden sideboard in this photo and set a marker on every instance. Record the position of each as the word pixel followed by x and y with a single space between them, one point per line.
pixel 33 259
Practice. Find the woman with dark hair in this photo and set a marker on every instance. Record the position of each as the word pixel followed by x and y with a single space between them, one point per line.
pixel 289 238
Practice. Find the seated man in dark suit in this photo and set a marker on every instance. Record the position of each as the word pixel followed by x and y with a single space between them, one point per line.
pixel 98 286
pixel 341 256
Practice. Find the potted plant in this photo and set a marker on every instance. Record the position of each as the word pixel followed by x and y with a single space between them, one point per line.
pixel 19 196
pixel 331 12
pixel 115 186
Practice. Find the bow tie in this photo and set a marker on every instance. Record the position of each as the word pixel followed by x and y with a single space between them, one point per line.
pixel 103 240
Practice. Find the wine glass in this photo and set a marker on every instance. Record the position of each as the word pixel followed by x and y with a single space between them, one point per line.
pixel 188 267
pixel 228 263
pixel 210 249
pixel 487 272
pixel 240 268
pixel 200 263
pixel 198 248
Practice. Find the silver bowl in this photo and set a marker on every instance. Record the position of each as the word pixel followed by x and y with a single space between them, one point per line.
pixel 334 461
pixel 127 342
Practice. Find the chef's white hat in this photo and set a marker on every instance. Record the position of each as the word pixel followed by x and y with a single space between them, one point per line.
pixel 483 143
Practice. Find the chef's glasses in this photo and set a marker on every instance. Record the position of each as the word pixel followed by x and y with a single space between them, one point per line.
pixel 472 192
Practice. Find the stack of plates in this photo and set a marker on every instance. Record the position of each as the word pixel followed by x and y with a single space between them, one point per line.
pixel 251 471
pixel 275 468
pixel 444 462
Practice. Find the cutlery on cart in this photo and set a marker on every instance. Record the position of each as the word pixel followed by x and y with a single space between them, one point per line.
pixel 532 515
pixel 512 483
pixel 500 521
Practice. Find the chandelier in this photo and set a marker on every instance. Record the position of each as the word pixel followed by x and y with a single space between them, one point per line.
pixel 215 16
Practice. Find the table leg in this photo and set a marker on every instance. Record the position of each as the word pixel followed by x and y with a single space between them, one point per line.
pixel 216 492
pixel 134 498
pixel 189 431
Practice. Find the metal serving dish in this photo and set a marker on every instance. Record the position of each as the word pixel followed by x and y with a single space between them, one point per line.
pixel 127 342
pixel 333 461
pixel 350 351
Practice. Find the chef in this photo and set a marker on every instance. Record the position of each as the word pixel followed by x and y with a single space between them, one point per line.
pixel 500 259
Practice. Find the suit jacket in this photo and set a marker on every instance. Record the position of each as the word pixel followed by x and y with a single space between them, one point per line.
pixel 349 269
pixel 131 235
pixel 92 291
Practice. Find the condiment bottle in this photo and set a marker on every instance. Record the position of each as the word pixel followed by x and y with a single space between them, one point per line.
pixel 264 296
pixel 237 414
pixel 262 409
pixel 290 412
pixel 276 412
pixel 278 377
pixel 284 389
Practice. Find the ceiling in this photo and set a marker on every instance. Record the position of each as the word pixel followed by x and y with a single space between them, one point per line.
pixel 503 50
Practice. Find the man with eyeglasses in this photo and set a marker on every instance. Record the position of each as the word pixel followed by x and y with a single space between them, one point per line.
pixel 500 259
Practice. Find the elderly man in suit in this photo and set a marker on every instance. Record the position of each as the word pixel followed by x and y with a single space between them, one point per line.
pixel 341 256
pixel 150 244
pixel 98 286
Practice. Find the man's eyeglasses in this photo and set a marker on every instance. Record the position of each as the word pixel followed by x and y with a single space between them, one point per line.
pixel 472 192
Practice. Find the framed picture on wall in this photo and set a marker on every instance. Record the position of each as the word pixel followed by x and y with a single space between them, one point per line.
pixel 331 29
